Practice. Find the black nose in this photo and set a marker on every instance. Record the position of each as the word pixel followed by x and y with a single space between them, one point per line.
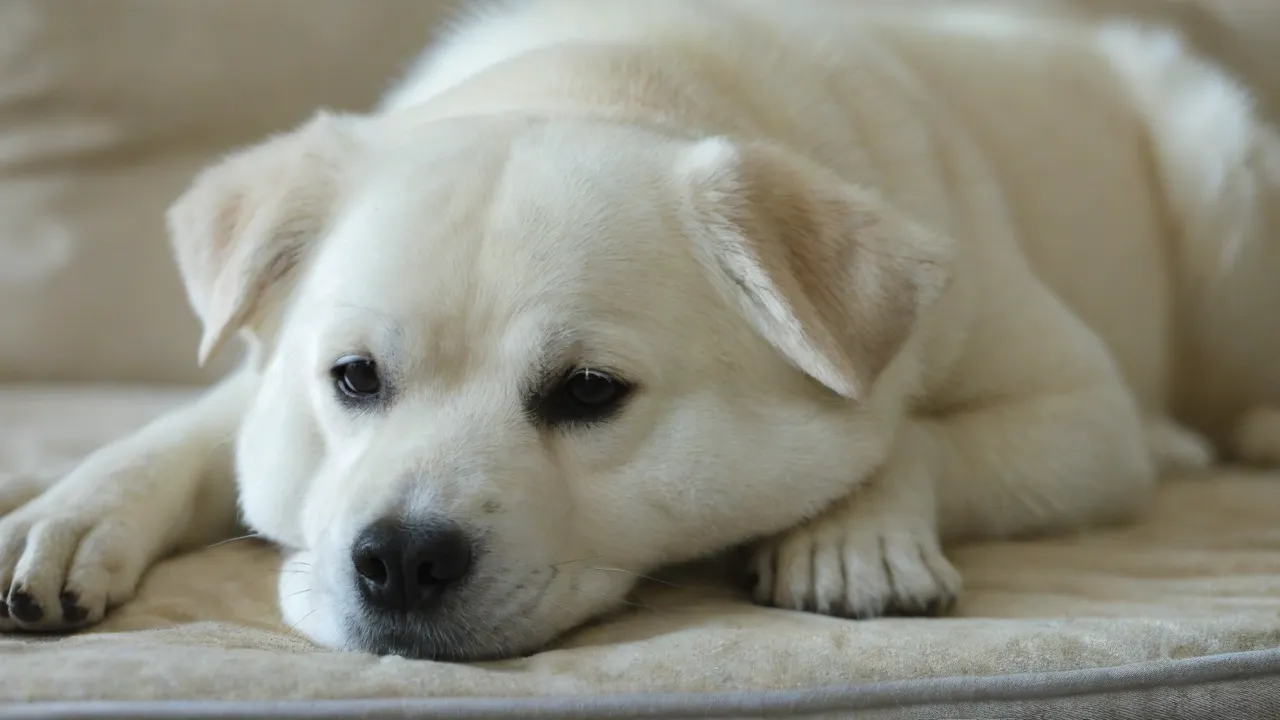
pixel 403 567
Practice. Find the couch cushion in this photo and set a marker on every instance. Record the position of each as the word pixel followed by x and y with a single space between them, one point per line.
pixel 106 109
pixel 1179 611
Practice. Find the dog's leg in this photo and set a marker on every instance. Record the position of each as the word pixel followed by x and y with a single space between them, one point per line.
pixel 1049 461
pixel 873 553
pixel 69 553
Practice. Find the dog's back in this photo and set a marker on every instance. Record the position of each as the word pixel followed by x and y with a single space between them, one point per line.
pixel 1134 175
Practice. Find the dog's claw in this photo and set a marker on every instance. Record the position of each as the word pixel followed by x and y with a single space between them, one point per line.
pixel 24 608
pixel 62 563
pixel 858 569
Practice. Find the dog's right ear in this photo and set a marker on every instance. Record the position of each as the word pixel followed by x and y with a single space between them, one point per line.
pixel 242 228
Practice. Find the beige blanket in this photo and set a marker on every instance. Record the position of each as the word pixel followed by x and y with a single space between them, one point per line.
pixel 1201 575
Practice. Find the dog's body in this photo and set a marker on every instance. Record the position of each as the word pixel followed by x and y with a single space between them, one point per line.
pixel 607 285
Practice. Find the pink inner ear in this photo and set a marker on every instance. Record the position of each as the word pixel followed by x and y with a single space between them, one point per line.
pixel 244 224
pixel 827 273
pixel 741 228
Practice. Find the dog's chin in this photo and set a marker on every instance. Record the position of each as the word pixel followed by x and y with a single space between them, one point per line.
pixel 302 606
pixel 438 640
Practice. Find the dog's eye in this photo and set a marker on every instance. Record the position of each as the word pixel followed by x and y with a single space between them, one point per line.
pixel 592 389
pixel 356 377
pixel 583 396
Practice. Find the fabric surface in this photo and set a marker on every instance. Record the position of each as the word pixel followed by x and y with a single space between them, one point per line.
pixel 107 109
pixel 1222 687
pixel 1200 576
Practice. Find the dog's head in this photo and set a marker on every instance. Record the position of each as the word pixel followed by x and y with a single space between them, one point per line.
pixel 510 363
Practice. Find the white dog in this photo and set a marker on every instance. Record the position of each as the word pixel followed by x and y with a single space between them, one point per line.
pixel 606 285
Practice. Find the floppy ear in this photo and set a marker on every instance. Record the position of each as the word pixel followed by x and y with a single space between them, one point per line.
pixel 244 225
pixel 826 271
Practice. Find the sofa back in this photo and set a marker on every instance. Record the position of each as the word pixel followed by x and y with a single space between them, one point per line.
pixel 107 108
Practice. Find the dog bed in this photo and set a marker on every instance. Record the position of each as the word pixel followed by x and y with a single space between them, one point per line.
pixel 1177 616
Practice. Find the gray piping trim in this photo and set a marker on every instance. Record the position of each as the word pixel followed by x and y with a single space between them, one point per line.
pixel 838 700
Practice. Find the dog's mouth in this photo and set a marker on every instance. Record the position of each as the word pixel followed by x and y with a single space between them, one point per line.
pixel 465 628
pixel 499 613
pixel 442 639
pixel 415 639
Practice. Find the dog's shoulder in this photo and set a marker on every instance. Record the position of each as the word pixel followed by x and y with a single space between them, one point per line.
pixel 487 34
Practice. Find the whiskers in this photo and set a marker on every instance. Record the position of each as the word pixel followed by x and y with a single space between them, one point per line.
pixel 294 627
pixel 635 574
pixel 299 568
pixel 625 600
pixel 228 541
pixel 555 568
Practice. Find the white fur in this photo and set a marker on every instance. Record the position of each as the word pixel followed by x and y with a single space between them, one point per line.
pixel 885 281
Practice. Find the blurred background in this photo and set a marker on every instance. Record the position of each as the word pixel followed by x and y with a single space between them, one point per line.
pixel 108 107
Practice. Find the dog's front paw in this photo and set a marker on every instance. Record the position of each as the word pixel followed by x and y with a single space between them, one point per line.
pixel 66 555
pixel 857 565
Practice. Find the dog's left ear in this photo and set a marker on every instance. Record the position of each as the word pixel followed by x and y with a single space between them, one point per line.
pixel 831 275
pixel 244 225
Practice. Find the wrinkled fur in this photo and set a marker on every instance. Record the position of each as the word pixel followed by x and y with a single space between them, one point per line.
pixel 884 281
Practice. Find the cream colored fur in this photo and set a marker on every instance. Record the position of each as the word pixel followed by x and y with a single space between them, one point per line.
pixel 884 281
